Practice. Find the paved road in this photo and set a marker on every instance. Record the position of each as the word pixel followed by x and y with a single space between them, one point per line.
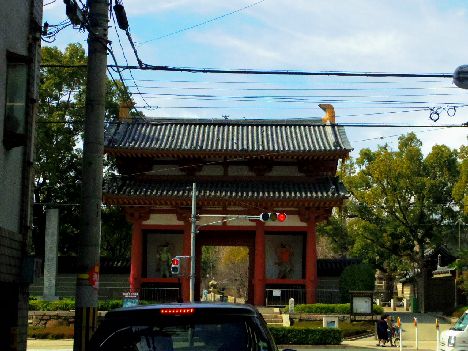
pixel 426 336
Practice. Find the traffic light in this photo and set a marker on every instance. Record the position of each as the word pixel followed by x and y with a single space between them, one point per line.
pixel 175 266
pixel 273 216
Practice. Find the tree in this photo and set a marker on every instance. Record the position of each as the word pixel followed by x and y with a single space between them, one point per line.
pixel 60 122
pixel 460 190
pixel 403 201
pixel 335 231
pixel 357 277
pixel 233 270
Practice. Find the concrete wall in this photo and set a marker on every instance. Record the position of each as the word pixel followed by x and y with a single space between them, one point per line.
pixel 19 25
pixel 13 37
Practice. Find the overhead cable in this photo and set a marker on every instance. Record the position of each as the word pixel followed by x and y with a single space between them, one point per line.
pixel 147 67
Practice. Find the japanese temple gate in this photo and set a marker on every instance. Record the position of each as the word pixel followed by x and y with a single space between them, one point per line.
pixel 241 167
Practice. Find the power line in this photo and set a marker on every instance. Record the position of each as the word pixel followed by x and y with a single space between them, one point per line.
pixel 126 61
pixel 202 23
pixel 357 124
pixel 147 67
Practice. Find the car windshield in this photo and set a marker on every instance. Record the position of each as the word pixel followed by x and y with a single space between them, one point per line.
pixel 462 323
pixel 238 336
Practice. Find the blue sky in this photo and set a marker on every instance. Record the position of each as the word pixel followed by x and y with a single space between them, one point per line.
pixel 404 36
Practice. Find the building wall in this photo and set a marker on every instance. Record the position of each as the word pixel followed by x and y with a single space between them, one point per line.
pixel 14 38
pixel 19 34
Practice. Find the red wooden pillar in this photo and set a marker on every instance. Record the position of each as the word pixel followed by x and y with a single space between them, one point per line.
pixel 259 273
pixel 136 256
pixel 136 217
pixel 311 262
pixel 187 241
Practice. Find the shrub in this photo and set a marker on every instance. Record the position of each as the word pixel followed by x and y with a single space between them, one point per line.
pixel 69 304
pixel 356 277
pixel 59 332
pixel 306 336
pixel 322 308
pixel 348 329
pixel 458 312
pixel 57 305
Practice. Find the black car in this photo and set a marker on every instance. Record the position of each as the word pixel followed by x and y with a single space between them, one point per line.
pixel 183 327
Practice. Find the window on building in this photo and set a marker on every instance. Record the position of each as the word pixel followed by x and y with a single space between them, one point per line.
pixel 14 129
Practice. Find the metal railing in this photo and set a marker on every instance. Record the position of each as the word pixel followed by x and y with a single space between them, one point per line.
pixel 280 297
pixel 160 295
pixel 327 296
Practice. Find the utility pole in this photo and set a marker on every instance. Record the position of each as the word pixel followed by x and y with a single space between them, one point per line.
pixel 192 242
pixel 93 146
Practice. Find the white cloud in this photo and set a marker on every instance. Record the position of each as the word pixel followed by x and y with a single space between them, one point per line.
pixel 356 35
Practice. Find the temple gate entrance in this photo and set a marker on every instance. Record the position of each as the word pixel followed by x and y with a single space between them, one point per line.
pixel 226 238
pixel 242 168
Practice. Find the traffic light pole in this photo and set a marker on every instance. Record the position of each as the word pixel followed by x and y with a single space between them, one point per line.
pixel 192 242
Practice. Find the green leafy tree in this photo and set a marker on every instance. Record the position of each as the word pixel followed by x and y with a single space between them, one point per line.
pixel 403 202
pixel 460 190
pixel 60 123
pixel 357 277
pixel 336 231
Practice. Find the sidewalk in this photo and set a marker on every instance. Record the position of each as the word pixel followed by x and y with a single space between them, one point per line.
pixel 46 344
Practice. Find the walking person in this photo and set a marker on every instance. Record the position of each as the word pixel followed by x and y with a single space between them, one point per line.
pixel 390 330
pixel 382 330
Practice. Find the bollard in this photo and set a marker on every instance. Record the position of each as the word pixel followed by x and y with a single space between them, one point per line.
pixel 416 326
pixel 437 335
pixel 291 305
pixel 401 333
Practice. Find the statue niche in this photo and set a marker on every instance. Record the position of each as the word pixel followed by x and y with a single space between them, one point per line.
pixel 164 260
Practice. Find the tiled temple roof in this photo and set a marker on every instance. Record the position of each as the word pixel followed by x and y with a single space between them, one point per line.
pixel 191 136
pixel 158 191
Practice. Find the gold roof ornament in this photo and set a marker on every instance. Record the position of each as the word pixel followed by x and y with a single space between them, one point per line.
pixel 329 113
pixel 124 110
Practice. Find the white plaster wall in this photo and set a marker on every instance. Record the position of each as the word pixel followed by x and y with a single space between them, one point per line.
pixel 171 219
pixel 284 171
pixel 291 221
pixel 163 219
pixel 169 169
pixel 211 170
pixel 239 171
pixel 229 221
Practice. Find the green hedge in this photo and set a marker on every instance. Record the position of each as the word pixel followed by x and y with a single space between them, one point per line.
pixel 306 336
pixel 69 304
pixel 322 308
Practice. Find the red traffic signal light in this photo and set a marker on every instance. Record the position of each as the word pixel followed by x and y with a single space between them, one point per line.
pixel 272 216
pixel 281 216
pixel 175 266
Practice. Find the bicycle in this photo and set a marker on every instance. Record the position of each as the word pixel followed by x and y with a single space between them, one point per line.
pixel 395 336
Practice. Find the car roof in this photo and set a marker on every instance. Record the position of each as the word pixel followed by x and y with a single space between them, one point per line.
pixel 201 308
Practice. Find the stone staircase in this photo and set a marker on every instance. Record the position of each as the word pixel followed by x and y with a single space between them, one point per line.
pixel 272 316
